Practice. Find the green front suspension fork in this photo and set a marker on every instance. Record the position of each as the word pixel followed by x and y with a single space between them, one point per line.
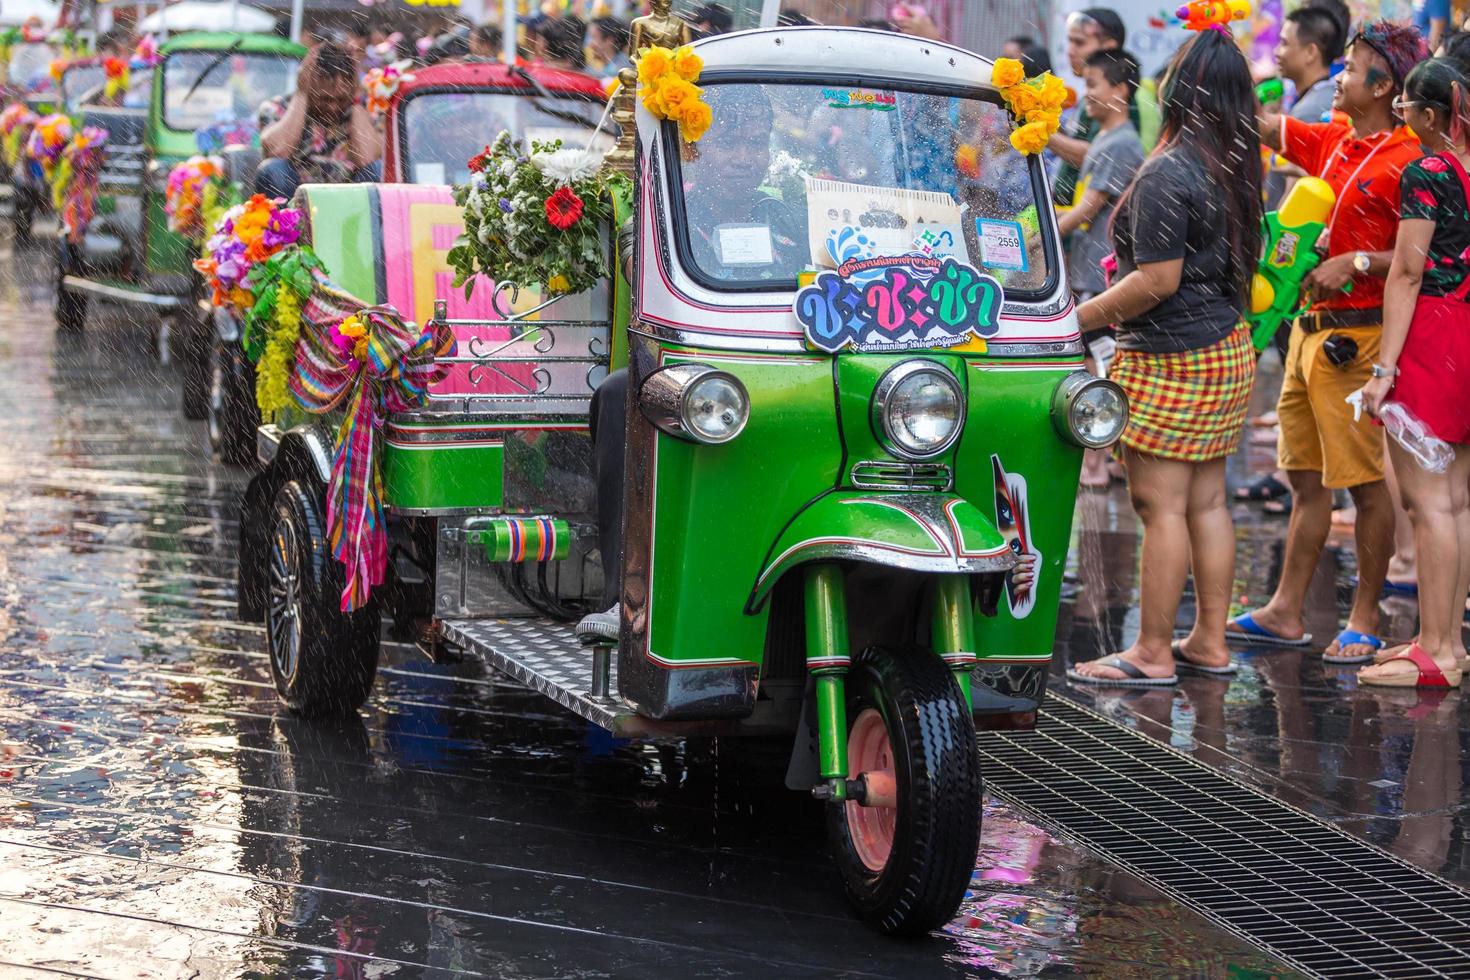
pixel 952 630
pixel 827 658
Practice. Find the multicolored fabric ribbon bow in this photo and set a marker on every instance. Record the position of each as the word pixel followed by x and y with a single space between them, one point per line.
pixel 385 365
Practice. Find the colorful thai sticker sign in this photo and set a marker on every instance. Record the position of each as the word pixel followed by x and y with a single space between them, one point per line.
pixel 907 302
pixel 858 98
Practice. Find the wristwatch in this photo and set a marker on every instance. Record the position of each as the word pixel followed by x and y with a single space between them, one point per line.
pixel 1362 261
pixel 1379 371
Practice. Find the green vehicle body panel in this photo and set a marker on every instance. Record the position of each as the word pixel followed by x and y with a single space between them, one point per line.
pixel 1010 417
pixel 441 478
pixel 718 508
pixel 342 230
pixel 723 515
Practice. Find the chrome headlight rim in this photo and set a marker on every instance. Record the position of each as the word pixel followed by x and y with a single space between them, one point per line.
pixel 1068 391
pixel 664 398
pixel 889 383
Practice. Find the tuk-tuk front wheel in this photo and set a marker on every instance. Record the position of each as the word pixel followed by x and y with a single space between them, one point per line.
pixel 906 854
pixel 323 660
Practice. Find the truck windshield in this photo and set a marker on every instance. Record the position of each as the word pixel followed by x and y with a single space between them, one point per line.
pixel 442 130
pixel 802 177
pixel 202 88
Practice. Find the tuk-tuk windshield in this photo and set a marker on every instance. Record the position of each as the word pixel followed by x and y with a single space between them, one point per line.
pixel 201 88
pixel 77 82
pixel 793 177
pixel 442 130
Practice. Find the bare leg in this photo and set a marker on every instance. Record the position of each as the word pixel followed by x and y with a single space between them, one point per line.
pixel 1159 489
pixel 1429 501
pixel 1402 567
pixel 1374 538
pixel 1212 556
pixel 1306 534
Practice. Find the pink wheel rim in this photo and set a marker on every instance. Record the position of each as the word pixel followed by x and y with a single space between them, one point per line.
pixel 871 828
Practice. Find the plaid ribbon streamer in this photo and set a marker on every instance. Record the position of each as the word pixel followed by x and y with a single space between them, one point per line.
pixel 394 376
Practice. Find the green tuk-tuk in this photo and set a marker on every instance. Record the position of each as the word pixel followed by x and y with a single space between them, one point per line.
pixel 128 254
pixel 855 416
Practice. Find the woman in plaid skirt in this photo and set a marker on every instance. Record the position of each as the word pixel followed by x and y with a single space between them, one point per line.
pixel 1187 234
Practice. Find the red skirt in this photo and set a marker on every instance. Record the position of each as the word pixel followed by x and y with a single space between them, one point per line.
pixel 1434 368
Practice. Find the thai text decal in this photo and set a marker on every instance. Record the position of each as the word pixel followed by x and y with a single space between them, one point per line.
pixel 899 303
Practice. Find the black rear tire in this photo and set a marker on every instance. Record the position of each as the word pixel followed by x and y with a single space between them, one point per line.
pixel 71 306
pixel 231 409
pixel 198 336
pixel 323 661
pixel 936 765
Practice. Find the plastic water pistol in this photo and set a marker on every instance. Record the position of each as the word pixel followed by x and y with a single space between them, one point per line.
pixel 1291 253
pixel 1199 15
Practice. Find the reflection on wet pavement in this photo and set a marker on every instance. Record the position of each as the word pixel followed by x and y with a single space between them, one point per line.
pixel 161 816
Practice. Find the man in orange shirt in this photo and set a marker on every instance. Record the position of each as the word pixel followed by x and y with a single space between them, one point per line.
pixel 1335 343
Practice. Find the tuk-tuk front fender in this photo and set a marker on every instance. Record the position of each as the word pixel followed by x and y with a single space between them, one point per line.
pixel 922 532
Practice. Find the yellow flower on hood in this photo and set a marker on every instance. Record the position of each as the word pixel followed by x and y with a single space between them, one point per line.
pixel 1007 72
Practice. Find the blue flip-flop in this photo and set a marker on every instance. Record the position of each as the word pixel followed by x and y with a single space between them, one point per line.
pixel 1245 629
pixel 1349 638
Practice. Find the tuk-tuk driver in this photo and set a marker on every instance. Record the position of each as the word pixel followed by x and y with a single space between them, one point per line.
pixel 723 189
pixel 320 135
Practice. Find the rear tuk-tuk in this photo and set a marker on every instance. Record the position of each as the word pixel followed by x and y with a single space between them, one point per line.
pixel 128 255
pixel 438 119
pixel 850 355
pixel 29 195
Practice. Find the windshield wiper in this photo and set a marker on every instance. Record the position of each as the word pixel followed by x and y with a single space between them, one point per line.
pixel 565 115
pixel 219 59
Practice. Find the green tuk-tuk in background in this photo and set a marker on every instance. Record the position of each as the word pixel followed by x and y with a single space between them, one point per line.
pixel 129 255
pixel 855 419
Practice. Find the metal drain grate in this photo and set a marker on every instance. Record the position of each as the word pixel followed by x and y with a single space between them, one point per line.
pixel 1327 903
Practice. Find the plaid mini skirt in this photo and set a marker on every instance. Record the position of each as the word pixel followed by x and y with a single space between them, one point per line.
pixel 1191 405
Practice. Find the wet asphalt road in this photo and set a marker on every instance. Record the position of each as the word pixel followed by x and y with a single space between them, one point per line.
pixel 161 816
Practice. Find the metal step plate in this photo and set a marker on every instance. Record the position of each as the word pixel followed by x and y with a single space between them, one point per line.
pixel 1328 903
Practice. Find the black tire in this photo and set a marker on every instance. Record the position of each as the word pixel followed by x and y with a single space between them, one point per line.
pixel 231 409
pixel 198 336
pixel 24 217
pixel 323 660
pixel 936 766
pixel 71 306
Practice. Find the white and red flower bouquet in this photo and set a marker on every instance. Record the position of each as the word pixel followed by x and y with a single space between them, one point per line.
pixel 535 219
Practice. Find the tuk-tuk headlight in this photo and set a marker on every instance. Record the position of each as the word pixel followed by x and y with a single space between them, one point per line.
pixel 918 409
pixel 695 402
pixel 1089 411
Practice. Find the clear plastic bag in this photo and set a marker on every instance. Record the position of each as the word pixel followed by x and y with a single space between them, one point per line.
pixel 1406 428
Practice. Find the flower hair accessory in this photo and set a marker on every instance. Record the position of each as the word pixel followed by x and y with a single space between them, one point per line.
pixel 1035 103
pixel 666 78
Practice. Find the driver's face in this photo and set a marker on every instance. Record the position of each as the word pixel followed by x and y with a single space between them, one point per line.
pixel 330 100
pixel 737 158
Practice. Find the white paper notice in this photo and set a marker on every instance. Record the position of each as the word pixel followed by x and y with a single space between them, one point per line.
pixel 428 173
pixel 745 244
pixel 1002 245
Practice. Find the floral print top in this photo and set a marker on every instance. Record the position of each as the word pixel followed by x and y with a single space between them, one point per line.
pixel 1433 189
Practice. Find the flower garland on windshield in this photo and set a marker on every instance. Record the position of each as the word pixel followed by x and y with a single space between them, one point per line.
pixel 48 140
pixel 381 84
pixel 666 78
pixel 118 78
pixel 1035 103
pixel 534 219
pixel 16 123
pixel 74 185
pixel 193 188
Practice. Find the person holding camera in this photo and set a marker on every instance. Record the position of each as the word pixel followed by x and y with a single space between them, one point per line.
pixel 1335 343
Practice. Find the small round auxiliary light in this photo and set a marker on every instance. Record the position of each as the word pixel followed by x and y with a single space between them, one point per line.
pixel 1089 411
pixel 695 402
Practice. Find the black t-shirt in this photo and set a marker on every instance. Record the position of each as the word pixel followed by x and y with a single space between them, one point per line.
pixel 1173 211
pixel 1431 190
